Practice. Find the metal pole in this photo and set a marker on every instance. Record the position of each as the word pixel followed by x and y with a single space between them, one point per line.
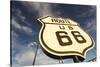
pixel 76 59
pixel 60 60
pixel 35 56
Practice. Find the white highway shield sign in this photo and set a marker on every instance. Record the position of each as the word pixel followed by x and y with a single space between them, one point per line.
pixel 63 37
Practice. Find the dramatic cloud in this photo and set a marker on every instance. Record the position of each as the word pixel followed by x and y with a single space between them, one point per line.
pixel 42 58
pixel 25 57
pixel 88 12
pixel 22 55
pixel 91 25
pixel 14 35
pixel 17 14
pixel 22 28
pixel 41 55
pixel 32 44
pixel 42 9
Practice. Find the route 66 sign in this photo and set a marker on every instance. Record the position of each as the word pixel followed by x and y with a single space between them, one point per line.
pixel 64 37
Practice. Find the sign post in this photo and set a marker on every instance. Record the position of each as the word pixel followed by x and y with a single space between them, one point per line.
pixel 64 37
pixel 35 43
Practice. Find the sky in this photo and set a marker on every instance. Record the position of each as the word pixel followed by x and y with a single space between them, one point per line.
pixel 25 29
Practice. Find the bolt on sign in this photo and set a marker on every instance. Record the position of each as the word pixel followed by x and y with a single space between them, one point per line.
pixel 64 37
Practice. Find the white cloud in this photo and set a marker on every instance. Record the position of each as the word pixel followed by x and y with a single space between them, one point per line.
pixel 91 21
pixel 91 25
pixel 14 35
pixel 14 41
pixel 87 13
pixel 27 29
pixel 22 28
pixel 32 44
pixel 42 9
pixel 19 14
pixel 43 59
pixel 15 24
pixel 25 57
